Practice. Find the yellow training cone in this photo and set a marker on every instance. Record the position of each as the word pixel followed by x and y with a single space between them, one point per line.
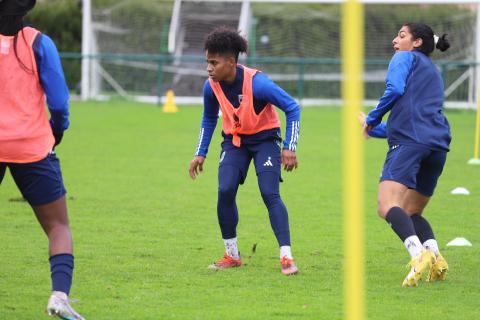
pixel 170 106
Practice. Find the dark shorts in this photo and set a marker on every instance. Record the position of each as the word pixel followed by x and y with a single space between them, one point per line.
pixel 417 168
pixel 266 156
pixel 39 182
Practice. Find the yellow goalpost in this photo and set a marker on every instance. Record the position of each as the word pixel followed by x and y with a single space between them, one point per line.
pixel 352 154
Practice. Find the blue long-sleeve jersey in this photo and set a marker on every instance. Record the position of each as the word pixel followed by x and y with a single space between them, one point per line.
pixel 264 91
pixel 379 131
pixel 414 95
pixel 53 82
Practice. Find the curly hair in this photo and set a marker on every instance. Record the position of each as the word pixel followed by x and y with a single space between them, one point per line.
pixel 224 40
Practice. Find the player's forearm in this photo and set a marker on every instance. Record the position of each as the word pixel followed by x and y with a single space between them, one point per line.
pixel 292 129
pixel 207 129
pixel 380 131
pixel 385 104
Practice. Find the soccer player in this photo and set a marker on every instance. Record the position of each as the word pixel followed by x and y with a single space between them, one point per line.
pixel 30 69
pixel 251 130
pixel 418 136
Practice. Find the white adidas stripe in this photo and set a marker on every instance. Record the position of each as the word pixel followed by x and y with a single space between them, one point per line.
pixel 295 130
pixel 200 140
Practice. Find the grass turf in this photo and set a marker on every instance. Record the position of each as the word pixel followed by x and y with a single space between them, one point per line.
pixel 144 233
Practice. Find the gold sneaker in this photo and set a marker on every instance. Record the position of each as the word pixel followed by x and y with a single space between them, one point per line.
pixel 438 270
pixel 418 266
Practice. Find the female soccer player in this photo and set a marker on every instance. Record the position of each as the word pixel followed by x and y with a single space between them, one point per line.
pixel 30 69
pixel 418 135
pixel 251 130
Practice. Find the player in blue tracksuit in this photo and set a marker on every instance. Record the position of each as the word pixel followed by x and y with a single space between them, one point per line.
pixel 251 130
pixel 418 136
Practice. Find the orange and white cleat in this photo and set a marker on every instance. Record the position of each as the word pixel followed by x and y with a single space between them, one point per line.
pixel 226 262
pixel 288 266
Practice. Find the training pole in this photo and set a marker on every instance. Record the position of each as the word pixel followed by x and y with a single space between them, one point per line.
pixel 353 220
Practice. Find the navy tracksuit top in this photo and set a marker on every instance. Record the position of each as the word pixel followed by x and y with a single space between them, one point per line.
pixel 415 94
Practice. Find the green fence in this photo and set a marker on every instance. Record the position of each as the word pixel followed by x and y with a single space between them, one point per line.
pixel 304 78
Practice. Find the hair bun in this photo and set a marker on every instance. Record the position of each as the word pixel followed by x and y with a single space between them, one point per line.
pixel 442 43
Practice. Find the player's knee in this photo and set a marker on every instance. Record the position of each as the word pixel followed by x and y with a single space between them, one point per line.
pixel 270 198
pixel 413 209
pixel 226 193
pixel 382 209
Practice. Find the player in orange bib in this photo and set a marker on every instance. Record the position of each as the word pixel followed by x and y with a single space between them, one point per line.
pixel 251 129
pixel 30 73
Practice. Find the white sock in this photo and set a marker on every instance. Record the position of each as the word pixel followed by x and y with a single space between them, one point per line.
pixel 286 251
pixel 231 247
pixel 432 245
pixel 413 245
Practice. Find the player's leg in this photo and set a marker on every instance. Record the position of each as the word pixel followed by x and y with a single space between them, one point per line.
pixel 232 171
pixel 54 220
pixel 267 159
pixel 414 203
pixel 269 185
pixel 390 197
pixel 42 185
pixel 416 200
pixel 398 175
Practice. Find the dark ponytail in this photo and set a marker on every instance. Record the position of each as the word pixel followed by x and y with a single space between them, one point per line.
pixel 442 43
pixel 422 31
pixel 22 64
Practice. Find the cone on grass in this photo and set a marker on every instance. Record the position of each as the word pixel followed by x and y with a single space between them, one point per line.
pixel 170 106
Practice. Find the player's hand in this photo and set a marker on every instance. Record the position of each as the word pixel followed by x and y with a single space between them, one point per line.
pixel 58 138
pixel 361 118
pixel 56 134
pixel 289 160
pixel 365 128
pixel 196 166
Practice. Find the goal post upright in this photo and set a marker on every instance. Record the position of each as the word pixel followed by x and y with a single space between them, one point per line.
pixel 86 48
pixel 352 44
pixel 476 158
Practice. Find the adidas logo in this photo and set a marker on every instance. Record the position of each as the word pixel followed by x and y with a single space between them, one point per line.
pixel 395 147
pixel 268 163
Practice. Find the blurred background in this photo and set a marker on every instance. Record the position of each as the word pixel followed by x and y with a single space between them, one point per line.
pixel 139 49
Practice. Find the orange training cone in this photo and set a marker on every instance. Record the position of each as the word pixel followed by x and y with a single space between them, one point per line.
pixel 170 106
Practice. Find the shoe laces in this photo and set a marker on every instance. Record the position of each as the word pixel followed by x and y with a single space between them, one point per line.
pixel 226 258
pixel 67 300
pixel 286 262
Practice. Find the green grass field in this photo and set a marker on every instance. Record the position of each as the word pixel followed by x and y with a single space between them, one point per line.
pixel 144 232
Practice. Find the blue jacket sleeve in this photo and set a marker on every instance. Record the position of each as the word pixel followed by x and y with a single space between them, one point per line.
pixel 53 82
pixel 209 120
pixel 398 71
pixel 379 131
pixel 265 89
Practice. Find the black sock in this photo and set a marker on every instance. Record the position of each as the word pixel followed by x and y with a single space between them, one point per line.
pixel 422 228
pixel 400 223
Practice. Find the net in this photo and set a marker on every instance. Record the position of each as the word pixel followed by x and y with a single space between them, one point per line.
pixel 296 44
